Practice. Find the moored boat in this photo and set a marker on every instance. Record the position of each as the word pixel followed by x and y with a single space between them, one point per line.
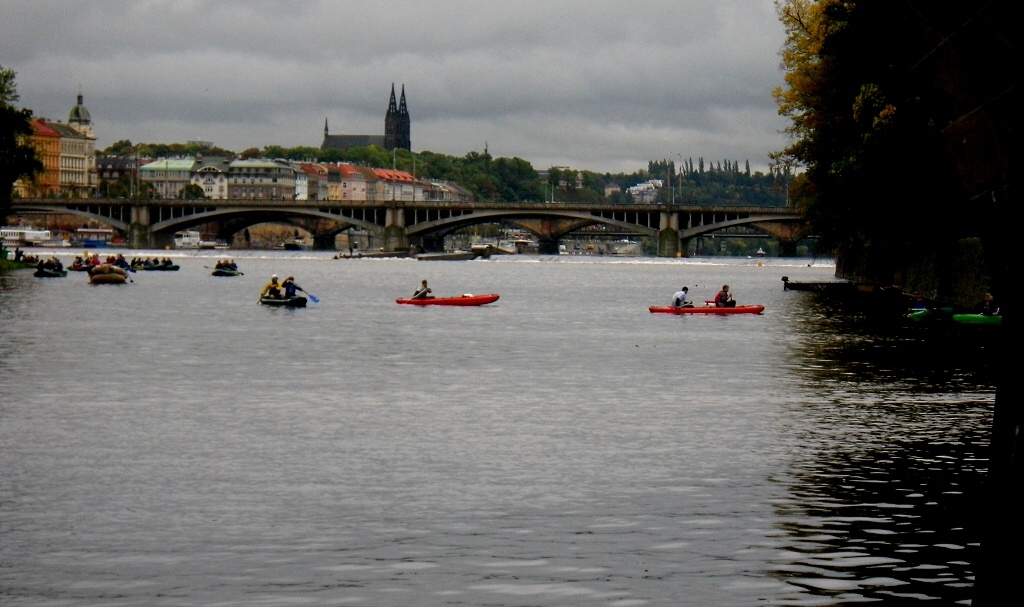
pixel 823 286
pixel 462 300
pixel 285 302
pixel 449 256
pixel 946 314
pixel 748 309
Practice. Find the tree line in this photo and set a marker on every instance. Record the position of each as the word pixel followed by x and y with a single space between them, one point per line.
pixel 514 179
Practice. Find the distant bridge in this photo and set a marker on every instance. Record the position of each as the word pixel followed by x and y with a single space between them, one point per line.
pixel 401 223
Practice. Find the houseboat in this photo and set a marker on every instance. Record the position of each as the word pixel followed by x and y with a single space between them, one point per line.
pixel 187 239
pixel 93 238
pixel 21 236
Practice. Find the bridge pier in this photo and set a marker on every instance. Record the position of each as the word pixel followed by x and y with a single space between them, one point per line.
pixel 139 236
pixel 395 236
pixel 668 234
pixel 547 245
pixel 668 242
pixel 787 248
pixel 323 242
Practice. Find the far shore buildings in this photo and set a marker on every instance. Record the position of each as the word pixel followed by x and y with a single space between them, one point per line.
pixel 264 179
pixel 397 130
pixel 68 154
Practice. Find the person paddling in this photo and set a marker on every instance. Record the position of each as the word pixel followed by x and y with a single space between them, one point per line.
pixel 724 298
pixel 272 289
pixel 423 292
pixel 290 287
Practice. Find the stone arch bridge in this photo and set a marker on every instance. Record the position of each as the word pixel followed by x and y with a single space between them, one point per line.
pixel 399 224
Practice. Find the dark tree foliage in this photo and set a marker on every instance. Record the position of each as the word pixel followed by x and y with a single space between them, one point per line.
pixel 876 173
pixel 17 158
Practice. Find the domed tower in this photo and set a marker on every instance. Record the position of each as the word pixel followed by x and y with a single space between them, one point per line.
pixel 397 124
pixel 80 120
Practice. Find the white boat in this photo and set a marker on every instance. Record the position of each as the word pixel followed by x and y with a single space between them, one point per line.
pixel 20 236
pixel 760 252
pixel 187 239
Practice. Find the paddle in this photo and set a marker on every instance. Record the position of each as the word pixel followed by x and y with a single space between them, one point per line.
pixel 312 298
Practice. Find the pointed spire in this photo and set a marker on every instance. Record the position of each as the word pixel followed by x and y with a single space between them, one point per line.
pixel 402 110
pixel 325 126
pixel 392 106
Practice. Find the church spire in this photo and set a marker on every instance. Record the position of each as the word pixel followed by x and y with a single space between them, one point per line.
pixel 392 106
pixel 325 126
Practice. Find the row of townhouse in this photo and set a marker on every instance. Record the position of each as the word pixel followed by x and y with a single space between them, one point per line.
pixel 67 152
pixel 266 179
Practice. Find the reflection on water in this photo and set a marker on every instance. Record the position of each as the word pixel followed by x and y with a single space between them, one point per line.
pixel 887 507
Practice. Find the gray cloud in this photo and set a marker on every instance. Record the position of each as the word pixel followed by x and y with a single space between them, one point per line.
pixel 599 85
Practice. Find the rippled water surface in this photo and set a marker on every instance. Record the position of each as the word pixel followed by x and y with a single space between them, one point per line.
pixel 171 442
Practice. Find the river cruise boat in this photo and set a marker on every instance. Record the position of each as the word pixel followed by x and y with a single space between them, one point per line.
pixel 21 236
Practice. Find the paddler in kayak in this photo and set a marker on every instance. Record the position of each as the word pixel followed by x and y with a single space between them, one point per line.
pixel 423 292
pixel 272 289
pixel 681 298
pixel 724 298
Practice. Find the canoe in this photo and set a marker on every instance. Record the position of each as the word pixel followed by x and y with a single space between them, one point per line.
pixel 223 272
pixel 287 302
pixel 462 300
pixel 48 273
pixel 750 309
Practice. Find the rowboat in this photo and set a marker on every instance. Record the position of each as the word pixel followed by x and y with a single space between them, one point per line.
pixel 286 302
pixel 462 300
pixel 750 309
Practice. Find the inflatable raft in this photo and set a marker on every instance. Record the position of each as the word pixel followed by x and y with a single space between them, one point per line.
pixel 286 302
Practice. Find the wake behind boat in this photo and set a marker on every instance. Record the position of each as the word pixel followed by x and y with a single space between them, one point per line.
pixel 462 300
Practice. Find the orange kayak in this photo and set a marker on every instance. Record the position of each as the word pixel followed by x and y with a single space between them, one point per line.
pixel 462 300
pixel 707 310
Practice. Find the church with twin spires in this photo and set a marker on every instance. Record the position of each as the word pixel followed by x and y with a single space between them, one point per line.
pixel 397 126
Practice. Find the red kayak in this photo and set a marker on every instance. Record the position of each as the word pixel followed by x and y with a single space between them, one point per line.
pixel 462 300
pixel 707 310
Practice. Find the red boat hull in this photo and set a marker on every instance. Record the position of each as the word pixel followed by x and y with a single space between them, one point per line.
pixel 464 300
pixel 707 310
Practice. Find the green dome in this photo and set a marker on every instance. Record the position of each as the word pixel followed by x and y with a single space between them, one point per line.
pixel 79 114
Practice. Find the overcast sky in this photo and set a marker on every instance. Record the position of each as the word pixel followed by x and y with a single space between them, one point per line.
pixel 599 85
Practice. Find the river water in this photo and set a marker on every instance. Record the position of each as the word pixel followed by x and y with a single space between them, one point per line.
pixel 171 442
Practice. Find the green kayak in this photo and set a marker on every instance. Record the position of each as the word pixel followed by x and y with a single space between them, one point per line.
pixel 947 314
